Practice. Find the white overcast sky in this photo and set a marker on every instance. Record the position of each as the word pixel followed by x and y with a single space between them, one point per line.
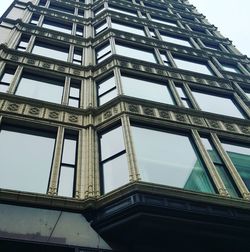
pixel 232 18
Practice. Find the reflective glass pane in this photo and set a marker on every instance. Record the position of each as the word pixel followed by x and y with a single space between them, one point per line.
pixel 7 78
pixel 164 22
pixel 3 88
pixel 115 173
pixel 100 28
pixel 40 88
pixel 57 26
pixel 158 157
pixel 69 151
pixel 66 181
pixel 192 66
pixel 230 68
pixel 177 41
pixel 23 163
pixel 106 85
pixel 107 97
pixel 74 92
pixel 73 103
pixel 51 51
pixel 127 28
pixel 146 90
pixel 217 104
pixel 240 156
pixel 135 53
pixel 123 11
pixel 111 143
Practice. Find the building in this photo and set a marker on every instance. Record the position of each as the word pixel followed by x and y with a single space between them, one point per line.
pixel 124 127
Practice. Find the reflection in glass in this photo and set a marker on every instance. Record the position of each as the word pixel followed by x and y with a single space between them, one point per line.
pixel 174 40
pixel 66 181
pixel 240 156
pixel 23 163
pixel 135 53
pixel 158 157
pixel 127 28
pixel 41 88
pixel 146 90
pixel 217 104
pixel 52 51
pixel 112 143
pixel 193 66
pixel 56 26
pixel 115 173
pixel 126 12
pixel 230 68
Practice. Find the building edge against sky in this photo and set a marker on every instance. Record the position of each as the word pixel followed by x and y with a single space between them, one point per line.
pixel 124 127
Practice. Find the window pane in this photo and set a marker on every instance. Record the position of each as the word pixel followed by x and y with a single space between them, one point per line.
pixel 69 151
pixel 158 157
pixel 192 66
pixel 146 90
pixel 107 97
pixel 40 88
pixel 66 181
pixel 135 53
pixel 126 12
pixel 240 156
pixel 51 51
pixel 112 143
pixel 217 104
pixel 23 163
pixel 106 85
pixel 115 173
pixel 57 26
pixel 127 28
pixel 177 41
pixel 162 21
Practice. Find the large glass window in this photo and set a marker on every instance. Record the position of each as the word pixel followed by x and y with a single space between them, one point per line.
pixel 169 159
pixel 123 11
pixel 103 53
pixel 26 158
pixel 240 156
pixel 57 26
pixel 176 40
pixel 146 89
pixel 230 68
pixel 137 53
pixel 194 66
pixel 128 28
pixel 6 78
pixel 164 21
pixel 61 8
pixel 51 50
pixel 40 87
pixel 113 160
pixel 217 104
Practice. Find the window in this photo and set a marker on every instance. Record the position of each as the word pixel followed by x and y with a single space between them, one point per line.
pixel 106 89
pixel 60 8
pixel 194 66
pixel 183 96
pixel 77 56
pixel 198 29
pixel 80 13
pixel 114 167
pixel 40 87
pixel 101 27
pixel 176 40
pixel 220 167
pixel 165 59
pixel 99 10
pixel 211 46
pixel 230 68
pixel 23 43
pixel 6 78
pixel 128 28
pixel 152 33
pixel 58 52
pixel 240 157
pixel 74 93
pixel 79 30
pixel 34 19
pixel 103 53
pixel 158 157
pixel 133 52
pixel 217 104
pixel 25 168
pixel 164 21
pixel 146 89
pixel 123 11
pixel 68 167
pixel 56 26
pixel 42 2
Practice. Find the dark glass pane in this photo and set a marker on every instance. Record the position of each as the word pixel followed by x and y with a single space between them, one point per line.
pixel 111 143
pixel 23 163
pixel 158 157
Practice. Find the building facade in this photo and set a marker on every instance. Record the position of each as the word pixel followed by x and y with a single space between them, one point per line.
pixel 124 127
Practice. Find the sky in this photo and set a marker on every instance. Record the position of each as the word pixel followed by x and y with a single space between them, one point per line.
pixel 230 16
